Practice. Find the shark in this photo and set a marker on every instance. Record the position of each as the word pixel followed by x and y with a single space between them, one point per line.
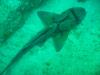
pixel 57 27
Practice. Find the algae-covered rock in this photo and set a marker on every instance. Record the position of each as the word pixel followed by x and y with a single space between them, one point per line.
pixel 16 17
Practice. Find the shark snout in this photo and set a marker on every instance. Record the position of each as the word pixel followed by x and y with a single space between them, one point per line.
pixel 79 13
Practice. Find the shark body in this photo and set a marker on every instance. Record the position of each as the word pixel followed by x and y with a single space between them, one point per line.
pixel 57 26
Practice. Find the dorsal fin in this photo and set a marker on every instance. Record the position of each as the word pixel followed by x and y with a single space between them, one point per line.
pixel 47 17
pixel 59 40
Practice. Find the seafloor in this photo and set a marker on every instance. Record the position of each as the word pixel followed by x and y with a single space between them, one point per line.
pixel 80 54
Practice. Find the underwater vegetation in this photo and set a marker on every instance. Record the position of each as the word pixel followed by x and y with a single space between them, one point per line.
pixel 16 18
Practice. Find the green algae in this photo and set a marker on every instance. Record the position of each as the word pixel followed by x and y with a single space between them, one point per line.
pixel 17 18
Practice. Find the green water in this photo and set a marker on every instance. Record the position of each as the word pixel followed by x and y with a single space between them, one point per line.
pixel 80 54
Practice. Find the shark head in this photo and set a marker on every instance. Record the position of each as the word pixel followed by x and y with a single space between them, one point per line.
pixel 70 18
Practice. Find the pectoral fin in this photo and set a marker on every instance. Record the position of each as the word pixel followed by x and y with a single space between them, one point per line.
pixel 47 17
pixel 59 40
